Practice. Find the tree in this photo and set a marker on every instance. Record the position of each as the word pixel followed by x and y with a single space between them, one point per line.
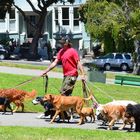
pixel 109 21
pixel 5 6
pixel 112 22
pixel 103 21
pixel 41 11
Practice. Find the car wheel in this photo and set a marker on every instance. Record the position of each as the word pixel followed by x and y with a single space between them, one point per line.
pixel 107 67
pixel 124 67
pixel 2 56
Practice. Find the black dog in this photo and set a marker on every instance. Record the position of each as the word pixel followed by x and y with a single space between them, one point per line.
pixel 5 103
pixel 100 117
pixel 134 111
pixel 49 109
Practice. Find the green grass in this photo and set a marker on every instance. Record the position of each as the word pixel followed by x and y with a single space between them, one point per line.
pixel 103 92
pixel 30 133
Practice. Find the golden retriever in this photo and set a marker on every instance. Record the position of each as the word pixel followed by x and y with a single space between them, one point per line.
pixel 114 111
pixel 64 103
pixel 17 96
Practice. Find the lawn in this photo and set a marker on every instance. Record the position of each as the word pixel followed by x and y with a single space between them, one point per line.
pixel 30 133
pixel 103 92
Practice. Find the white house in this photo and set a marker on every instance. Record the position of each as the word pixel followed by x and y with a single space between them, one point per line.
pixel 62 19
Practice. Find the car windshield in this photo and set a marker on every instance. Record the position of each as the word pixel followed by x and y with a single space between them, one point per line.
pixel 111 56
pixel 118 56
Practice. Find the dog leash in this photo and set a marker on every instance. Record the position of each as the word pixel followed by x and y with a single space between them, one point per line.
pixel 45 82
pixel 102 91
pixel 27 81
pixel 91 93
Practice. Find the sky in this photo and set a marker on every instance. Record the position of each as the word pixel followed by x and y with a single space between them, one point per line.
pixel 24 5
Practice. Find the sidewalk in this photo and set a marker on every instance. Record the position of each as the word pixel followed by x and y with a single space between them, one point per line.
pixel 31 72
pixel 13 70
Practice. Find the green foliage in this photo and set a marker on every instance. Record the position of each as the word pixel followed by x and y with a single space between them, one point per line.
pixel 135 23
pixel 113 22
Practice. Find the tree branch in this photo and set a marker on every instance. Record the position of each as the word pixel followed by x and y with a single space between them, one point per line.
pixel 25 17
pixel 32 6
pixel 49 2
pixel 43 2
pixel 39 4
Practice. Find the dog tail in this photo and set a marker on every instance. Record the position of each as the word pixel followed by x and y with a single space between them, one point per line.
pixel 89 98
pixel 31 94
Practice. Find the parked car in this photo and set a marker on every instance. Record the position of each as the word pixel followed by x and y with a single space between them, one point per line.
pixel 112 60
pixel 3 52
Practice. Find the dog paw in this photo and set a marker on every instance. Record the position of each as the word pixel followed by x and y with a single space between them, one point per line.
pixel 40 116
pixel 120 128
pixel 109 128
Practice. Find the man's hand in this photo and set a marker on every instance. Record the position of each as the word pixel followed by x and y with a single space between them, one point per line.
pixel 43 74
pixel 83 77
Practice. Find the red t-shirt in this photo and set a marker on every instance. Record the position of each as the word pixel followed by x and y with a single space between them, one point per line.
pixel 69 58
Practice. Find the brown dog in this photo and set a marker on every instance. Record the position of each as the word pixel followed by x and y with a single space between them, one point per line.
pixel 88 111
pixel 17 96
pixel 64 103
pixel 113 112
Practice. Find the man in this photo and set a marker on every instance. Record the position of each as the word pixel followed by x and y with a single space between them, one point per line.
pixel 70 64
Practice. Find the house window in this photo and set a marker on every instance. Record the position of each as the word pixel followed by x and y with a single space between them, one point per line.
pixel 12 21
pixel 56 16
pixel 65 16
pixel 12 14
pixel 76 17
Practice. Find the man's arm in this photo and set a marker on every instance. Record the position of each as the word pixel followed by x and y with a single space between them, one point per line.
pixel 81 70
pixel 51 66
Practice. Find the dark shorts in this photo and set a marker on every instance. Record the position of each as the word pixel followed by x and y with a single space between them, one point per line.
pixel 68 85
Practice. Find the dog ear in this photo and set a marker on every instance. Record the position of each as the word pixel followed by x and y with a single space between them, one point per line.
pixel 50 96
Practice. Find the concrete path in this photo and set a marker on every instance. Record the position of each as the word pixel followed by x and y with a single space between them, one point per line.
pixel 30 72
pixel 30 119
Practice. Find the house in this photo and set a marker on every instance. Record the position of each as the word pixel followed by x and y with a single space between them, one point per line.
pixel 62 19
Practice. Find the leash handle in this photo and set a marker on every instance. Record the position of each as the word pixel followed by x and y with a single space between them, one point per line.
pixel 90 92
pixel 46 83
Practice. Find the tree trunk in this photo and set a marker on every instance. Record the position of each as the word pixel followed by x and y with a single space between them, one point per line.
pixel 136 69
pixel 136 58
pixel 37 35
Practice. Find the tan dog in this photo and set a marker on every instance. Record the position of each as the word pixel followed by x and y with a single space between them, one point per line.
pixel 113 112
pixel 17 96
pixel 64 103
pixel 88 111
